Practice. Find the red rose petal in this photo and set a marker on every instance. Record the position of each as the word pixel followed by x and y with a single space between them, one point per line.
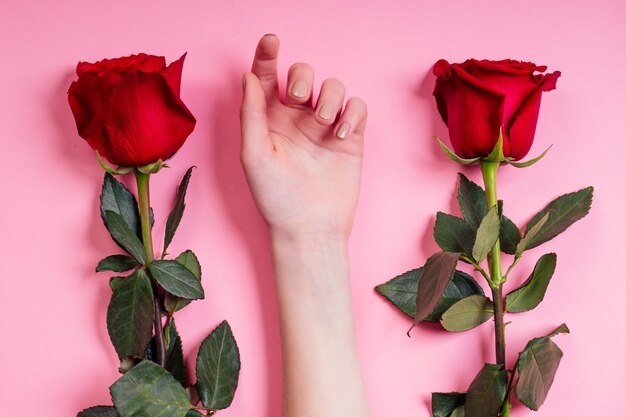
pixel 521 129
pixel 522 126
pixel 440 67
pixel 473 113
pixel 124 65
pixel 84 102
pixel 548 81
pixel 145 122
pixel 173 74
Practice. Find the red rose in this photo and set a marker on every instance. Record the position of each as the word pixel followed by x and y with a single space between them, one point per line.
pixel 477 98
pixel 129 109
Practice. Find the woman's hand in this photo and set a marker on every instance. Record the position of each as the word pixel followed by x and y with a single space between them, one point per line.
pixel 302 162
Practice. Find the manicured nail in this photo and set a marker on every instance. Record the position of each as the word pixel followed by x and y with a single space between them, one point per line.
pixel 299 89
pixel 269 34
pixel 343 130
pixel 326 111
pixel 243 83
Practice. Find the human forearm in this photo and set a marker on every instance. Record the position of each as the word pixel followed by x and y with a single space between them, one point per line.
pixel 322 376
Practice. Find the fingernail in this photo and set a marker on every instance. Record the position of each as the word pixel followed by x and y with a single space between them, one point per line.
pixel 299 89
pixel 243 83
pixel 343 130
pixel 269 34
pixel 326 111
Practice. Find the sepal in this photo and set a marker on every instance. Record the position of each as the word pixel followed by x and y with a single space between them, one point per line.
pixel 152 168
pixel 111 170
pixel 528 163
pixel 497 153
pixel 454 157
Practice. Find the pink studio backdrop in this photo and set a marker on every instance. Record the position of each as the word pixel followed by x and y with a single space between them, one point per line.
pixel 56 356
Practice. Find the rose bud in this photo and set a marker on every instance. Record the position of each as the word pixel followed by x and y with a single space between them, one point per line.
pixel 478 98
pixel 129 109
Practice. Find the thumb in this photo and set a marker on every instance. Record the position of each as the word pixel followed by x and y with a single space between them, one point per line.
pixel 253 116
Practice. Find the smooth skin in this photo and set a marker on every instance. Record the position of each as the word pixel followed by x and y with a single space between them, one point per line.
pixel 303 165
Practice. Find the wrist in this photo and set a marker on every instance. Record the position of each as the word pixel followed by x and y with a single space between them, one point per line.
pixel 307 241
pixel 318 259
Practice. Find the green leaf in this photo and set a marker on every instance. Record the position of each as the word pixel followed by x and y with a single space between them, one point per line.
pixel 485 394
pixel 532 291
pixel 536 367
pixel 194 413
pixel 509 236
pixel 487 234
pixel 115 282
pixel 217 368
pixel 173 220
pixel 117 198
pixel 458 412
pixel 472 200
pixel 129 316
pixel 531 234
pixel 176 279
pixel 454 157
pixel 99 411
pixel 189 260
pixel 564 211
pixel 444 403
pixel 149 390
pixel 436 275
pixel 117 263
pixel 127 363
pixel 124 236
pixel 561 329
pixel 453 235
pixel 402 290
pixel 467 313
pixel 174 360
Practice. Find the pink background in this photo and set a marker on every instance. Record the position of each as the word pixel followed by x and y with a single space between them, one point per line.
pixel 56 356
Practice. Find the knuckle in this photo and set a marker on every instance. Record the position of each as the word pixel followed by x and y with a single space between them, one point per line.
pixel 358 104
pixel 300 67
pixel 334 87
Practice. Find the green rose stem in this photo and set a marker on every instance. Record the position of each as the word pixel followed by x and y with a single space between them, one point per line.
pixel 143 190
pixel 489 170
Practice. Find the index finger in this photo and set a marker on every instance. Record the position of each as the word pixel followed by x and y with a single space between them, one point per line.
pixel 265 65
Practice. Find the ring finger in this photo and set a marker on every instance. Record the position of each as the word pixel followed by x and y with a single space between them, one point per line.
pixel 330 101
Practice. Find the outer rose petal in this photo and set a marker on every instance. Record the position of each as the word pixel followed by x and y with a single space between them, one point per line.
pixel 505 66
pixel 125 65
pixel 522 127
pixel 173 74
pixel 85 103
pixel 516 84
pixel 143 122
pixel 515 81
pixel 440 67
pixel 473 113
